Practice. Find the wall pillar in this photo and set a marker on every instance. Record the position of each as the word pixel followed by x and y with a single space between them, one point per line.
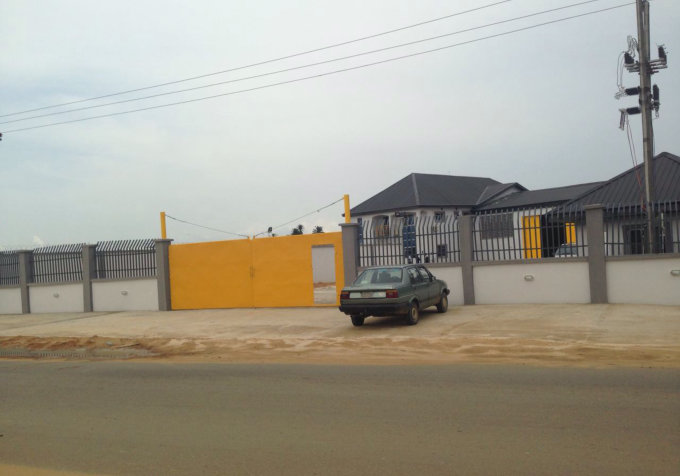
pixel 597 268
pixel 25 277
pixel 465 238
pixel 89 273
pixel 350 251
pixel 163 274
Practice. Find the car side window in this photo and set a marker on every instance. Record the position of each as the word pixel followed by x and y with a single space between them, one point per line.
pixel 414 276
pixel 424 274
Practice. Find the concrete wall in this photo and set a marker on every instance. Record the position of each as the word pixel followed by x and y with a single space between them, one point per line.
pixel 453 275
pixel 643 281
pixel 125 295
pixel 540 282
pixel 56 298
pixel 10 301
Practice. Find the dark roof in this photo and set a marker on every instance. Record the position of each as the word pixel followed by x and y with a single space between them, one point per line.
pixel 493 191
pixel 426 190
pixel 628 187
pixel 546 196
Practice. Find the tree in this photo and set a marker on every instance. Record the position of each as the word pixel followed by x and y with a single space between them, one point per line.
pixel 298 230
pixel 317 229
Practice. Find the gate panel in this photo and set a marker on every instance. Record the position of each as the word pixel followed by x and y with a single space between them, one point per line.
pixel 211 275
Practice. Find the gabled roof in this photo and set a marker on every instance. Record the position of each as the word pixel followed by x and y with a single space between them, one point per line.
pixel 493 191
pixel 426 190
pixel 628 188
pixel 546 196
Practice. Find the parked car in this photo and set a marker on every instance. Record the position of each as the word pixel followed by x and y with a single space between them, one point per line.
pixel 388 290
pixel 567 250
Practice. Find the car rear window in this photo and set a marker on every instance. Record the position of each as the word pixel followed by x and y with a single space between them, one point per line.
pixel 379 276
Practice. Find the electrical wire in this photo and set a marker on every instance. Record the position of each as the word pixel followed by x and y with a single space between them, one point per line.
pixel 294 68
pixel 294 55
pixel 304 78
pixel 206 227
pixel 303 216
pixel 633 155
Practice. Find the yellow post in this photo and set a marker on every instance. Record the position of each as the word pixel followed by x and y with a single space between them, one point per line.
pixel 163 233
pixel 347 215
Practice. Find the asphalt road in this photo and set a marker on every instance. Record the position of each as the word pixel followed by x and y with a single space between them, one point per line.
pixel 151 418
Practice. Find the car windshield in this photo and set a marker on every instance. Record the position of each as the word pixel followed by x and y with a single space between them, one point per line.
pixel 566 249
pixel 379 276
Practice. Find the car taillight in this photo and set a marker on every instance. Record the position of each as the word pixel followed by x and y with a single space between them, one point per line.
pixel 344 295
pixel 392 293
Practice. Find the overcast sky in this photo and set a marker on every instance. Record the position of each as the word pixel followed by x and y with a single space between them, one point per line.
pixel 535 107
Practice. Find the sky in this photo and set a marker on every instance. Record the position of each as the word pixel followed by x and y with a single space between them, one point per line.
pixel 535 106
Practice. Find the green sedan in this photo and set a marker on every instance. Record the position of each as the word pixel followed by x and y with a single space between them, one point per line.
pixel 388 290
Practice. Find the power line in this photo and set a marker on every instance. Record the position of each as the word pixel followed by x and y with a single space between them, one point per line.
pixel 302 66
pixel 304 216
pixel 263 62
pixel 304 78
pixel 206 227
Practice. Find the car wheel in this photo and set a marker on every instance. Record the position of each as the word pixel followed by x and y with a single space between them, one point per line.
pixel 357 320
pixel 413 314
pixel 443 304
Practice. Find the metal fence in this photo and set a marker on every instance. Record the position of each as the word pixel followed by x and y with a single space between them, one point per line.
pixel 408 239
pixel 533 233
pixel 125 259
pixel 57 264
pixel 627 229
pixel 9 268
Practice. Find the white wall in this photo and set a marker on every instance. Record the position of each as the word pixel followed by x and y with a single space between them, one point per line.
pixel 10 301
pixel 56 298
pixel 453 275
pixel 645 281
pixel 129 295
pixel 558 282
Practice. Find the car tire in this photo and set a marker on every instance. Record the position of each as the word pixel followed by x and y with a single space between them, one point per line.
pixel 443 303
pixel 413 314
pixel 357 321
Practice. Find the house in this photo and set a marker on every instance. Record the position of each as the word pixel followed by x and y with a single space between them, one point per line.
pixel 625 214
pixel 416 218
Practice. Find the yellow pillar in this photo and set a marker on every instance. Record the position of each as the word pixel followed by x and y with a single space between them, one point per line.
pixel 347 215
pixel 163 233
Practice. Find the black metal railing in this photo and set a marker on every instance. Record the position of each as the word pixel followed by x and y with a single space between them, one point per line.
pixel 9 268
pixel 528 233
pixel 627 229
pixel 408 239
pixel 57 264
pixel 125 259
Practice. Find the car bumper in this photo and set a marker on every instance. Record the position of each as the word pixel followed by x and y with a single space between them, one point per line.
pixel 374 309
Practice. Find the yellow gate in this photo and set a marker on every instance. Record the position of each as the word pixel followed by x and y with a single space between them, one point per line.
pixel 263 272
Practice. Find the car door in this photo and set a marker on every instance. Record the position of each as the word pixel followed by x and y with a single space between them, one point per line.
pixel 419 285
pixel 429 290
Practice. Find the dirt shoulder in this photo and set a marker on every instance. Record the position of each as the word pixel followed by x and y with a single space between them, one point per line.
pixel 575 335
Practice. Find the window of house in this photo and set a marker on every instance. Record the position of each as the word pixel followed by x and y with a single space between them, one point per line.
pixel 382 225
pixel 498 225
pixel 439 217
pixel 441 251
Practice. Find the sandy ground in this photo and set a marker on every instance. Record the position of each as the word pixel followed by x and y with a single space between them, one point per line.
pixel 580 335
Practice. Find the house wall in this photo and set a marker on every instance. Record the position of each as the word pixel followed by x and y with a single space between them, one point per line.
pixel 532 283
pixel 125 295
pixel 643 281
pixel 56 298
pixel 10 300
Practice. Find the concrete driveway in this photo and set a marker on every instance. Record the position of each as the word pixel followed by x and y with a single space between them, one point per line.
pixel 607 334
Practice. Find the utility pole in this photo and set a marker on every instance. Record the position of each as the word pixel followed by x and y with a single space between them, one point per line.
pixel 642 7
pixel 649 100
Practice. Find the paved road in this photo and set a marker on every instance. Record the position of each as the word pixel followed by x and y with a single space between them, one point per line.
pixel 151 418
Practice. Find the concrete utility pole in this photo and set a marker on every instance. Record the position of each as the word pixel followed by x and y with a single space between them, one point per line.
pixel 649 100
pixel 642 7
